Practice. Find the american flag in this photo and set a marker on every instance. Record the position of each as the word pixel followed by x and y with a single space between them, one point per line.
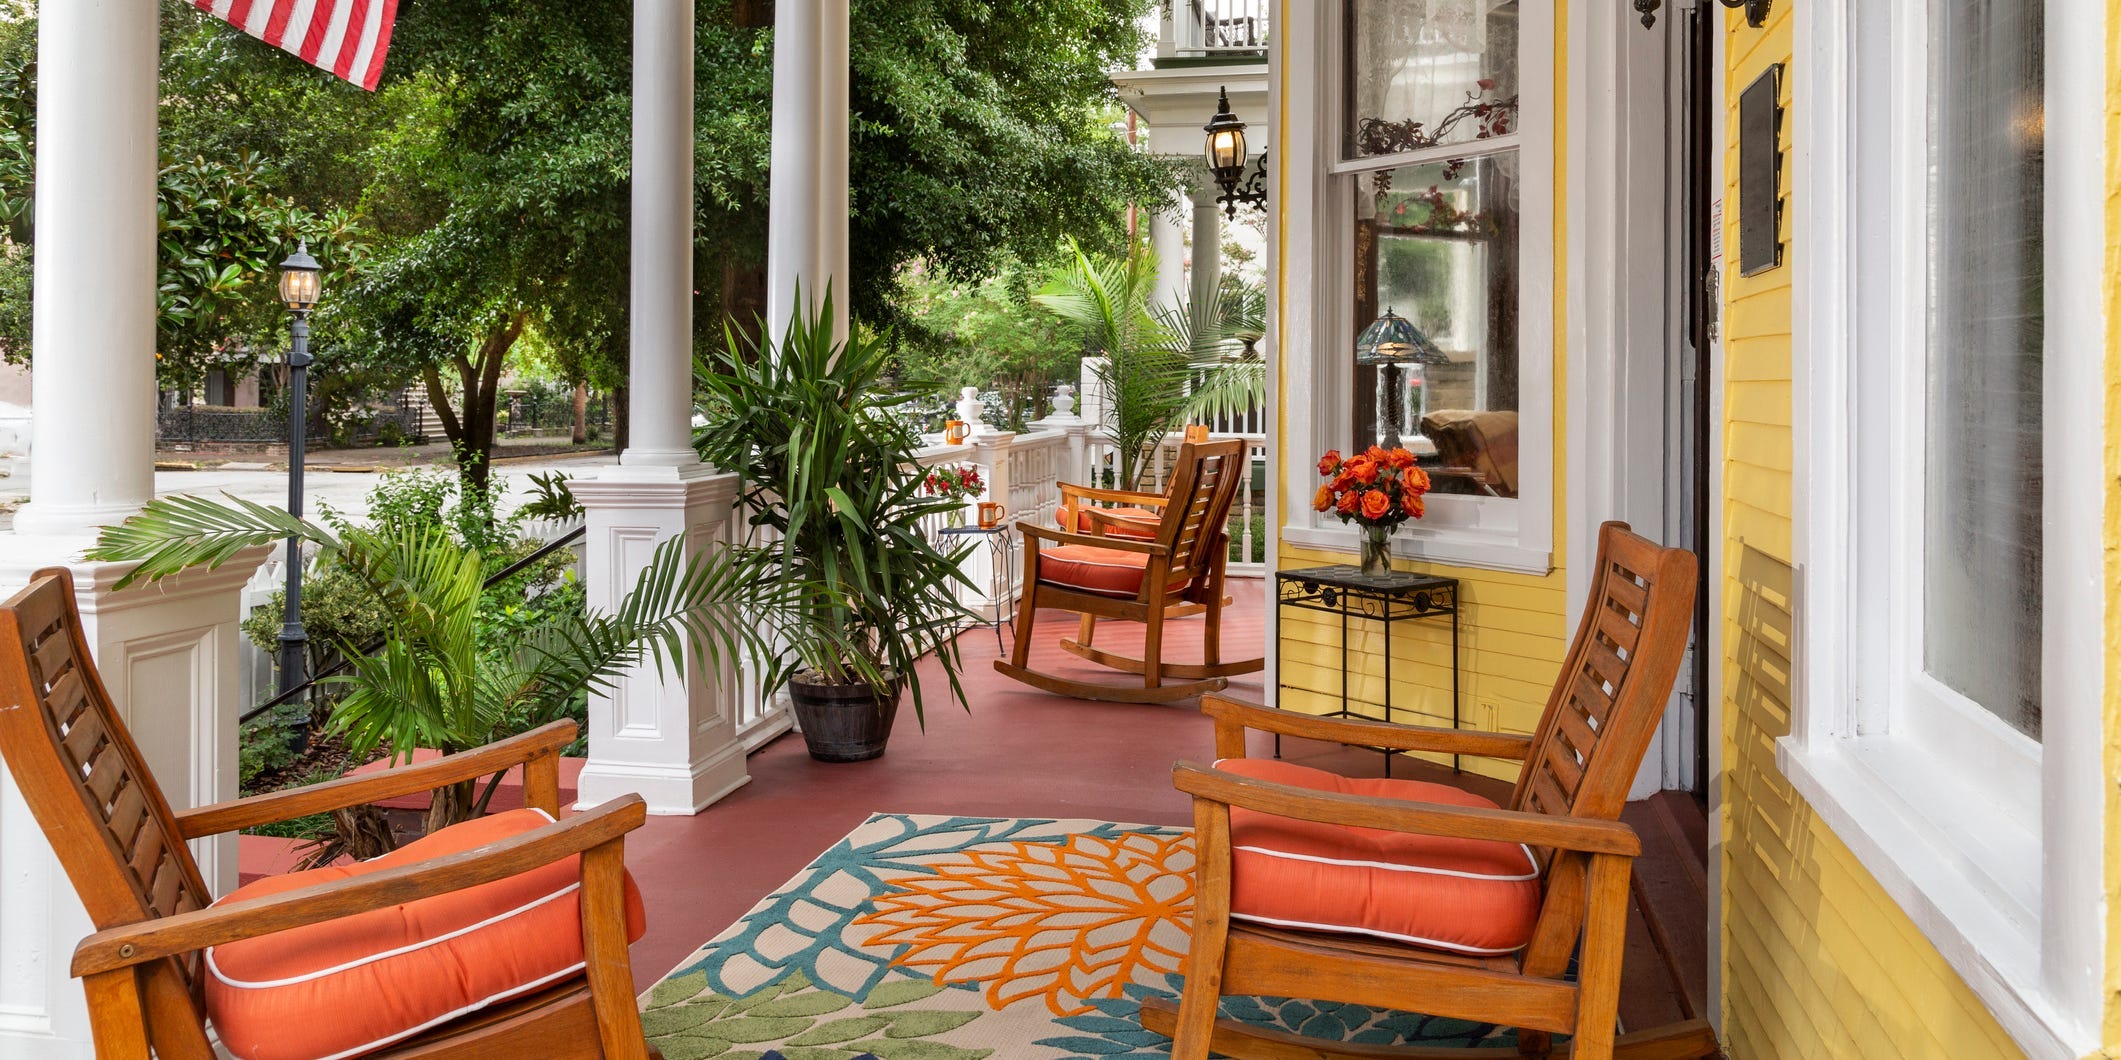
pixel 346 37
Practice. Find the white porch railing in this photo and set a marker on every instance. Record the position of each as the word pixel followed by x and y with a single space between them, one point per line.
pixel 1214 27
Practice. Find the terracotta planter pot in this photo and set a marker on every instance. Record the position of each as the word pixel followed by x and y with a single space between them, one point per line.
pixel 843 723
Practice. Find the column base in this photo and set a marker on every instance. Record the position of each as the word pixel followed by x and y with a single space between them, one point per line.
pixel 669 790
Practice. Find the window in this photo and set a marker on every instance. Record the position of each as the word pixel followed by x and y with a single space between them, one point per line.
pixel 1429 160
pixel 1948 355
pixel 1421 134
pixel 1982 482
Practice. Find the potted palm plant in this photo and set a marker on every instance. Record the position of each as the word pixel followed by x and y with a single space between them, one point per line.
pixel 837 504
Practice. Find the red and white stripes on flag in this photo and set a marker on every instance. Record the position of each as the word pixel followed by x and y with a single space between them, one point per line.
pixel 346 37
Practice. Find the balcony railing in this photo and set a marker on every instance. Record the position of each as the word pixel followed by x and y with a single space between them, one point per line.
pixel 1200 28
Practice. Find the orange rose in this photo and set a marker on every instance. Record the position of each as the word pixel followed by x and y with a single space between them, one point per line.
pixel 1330 462
pixel 1415 480
pixel 1364 470
pixel 1374 454
pixel 1375 504
pixel 1349 502
pixel 1399 459
pixel 1413 505
pixel 1323 500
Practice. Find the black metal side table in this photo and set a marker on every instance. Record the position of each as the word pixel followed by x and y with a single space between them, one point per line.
pixel 1001 548
pixel 1388 599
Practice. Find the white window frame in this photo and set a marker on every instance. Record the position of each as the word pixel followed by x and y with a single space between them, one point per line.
pixel 1513 534
pixel 1993 843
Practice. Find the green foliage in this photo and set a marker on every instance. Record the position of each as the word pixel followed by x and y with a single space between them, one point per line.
pixel 1161 365
pixel 827 471
pixel 438 682
pixel 985 334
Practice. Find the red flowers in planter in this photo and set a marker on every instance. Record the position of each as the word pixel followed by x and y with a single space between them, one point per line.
pixel 1377 487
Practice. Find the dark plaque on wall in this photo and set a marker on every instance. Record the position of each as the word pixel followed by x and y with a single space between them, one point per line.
pixel 1760 173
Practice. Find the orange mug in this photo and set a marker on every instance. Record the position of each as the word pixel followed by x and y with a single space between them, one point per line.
pixel 956 431
pixel 990 515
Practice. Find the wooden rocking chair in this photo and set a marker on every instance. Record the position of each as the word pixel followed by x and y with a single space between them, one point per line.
pixel 1313 886
pixel 123 848
pixel 1139 579
pixel 1117 513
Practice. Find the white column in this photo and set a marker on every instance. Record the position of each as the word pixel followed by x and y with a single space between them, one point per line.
pixel 806 243
pixel 93 457
pixel 1207 243
pixel 659 383
pixel 168 654
pixel 667 735
pixel 1168 241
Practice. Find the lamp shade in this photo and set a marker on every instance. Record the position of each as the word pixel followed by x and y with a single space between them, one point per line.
pixel 1393 339
pixel 1226 138
pixel 298 280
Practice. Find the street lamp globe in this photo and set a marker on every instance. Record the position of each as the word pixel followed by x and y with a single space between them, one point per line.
pixel 298 280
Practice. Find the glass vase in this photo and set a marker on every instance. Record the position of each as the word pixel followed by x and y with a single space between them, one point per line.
pixel 1376 551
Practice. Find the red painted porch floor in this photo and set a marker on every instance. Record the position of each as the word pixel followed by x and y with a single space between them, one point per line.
pixel 1019 752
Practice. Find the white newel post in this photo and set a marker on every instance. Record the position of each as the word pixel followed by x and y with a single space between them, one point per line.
pixel 990 452
pixel 1075 470
pixel 669 736
pixel 666 735
pixel 168 653
pixel 806 208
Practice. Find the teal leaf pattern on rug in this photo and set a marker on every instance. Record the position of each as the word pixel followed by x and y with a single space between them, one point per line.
pixel 687 1020
pixel 803 927
pixel 1115 1029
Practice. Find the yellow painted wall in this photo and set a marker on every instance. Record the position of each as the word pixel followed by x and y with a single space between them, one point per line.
pixel 1513 632
pixel 1817 959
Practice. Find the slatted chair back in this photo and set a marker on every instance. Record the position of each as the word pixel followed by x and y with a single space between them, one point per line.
pixel 84 779
pixel 1202 488
pixel 1604 707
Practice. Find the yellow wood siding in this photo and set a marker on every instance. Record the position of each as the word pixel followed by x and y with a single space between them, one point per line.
pixel 1817 959
pixel 1513 632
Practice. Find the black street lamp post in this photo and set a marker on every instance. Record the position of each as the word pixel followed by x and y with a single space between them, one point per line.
pixel 298 290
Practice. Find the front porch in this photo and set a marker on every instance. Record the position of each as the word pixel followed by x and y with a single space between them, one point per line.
pixel 1103 761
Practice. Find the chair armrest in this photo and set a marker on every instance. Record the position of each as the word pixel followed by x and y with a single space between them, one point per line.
pixel 546 741
pixel 1093 493
pixel 1033 531
pixel 1584 835
pixel 1229 712
pixel 169 936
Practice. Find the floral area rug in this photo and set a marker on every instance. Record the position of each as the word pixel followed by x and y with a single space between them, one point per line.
pixel 958 938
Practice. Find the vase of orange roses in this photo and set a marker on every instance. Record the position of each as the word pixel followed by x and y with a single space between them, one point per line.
pixel 1376 489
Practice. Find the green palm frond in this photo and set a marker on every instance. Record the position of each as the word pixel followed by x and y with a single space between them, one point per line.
pixel 172 534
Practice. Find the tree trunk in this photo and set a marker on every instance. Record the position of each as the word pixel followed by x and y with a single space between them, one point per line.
pixel 581 413
pixel 451 805
pixel 470 430
pixel 619 415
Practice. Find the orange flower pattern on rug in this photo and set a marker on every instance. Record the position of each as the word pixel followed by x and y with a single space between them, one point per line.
pixel 1064 922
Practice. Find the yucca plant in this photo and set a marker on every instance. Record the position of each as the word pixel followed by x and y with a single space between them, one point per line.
pixel 829 477
pixel 431 685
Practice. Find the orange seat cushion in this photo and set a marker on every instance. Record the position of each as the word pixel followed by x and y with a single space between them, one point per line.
pixel 347 986
pixel 1104 571
pixel 1118 522
pixel 1474 896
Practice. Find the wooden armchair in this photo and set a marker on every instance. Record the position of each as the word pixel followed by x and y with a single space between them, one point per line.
pixel 1408 895
pixel 1139 580
pixel 123 848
